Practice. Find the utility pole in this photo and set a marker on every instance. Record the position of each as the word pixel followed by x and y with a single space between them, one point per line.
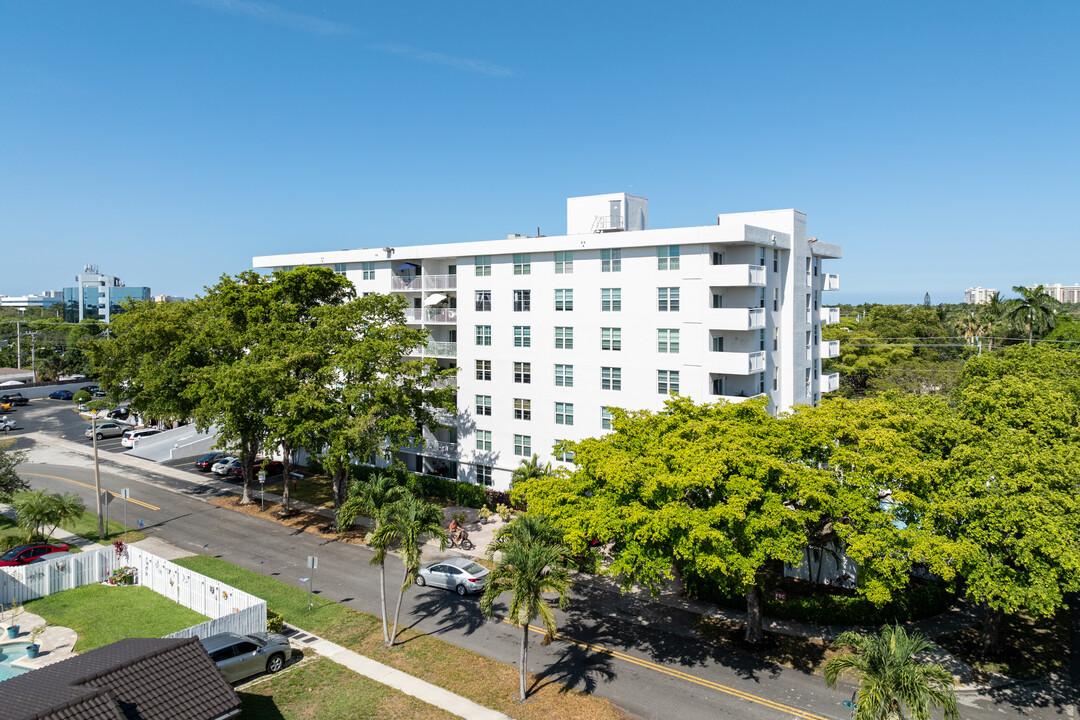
pixel 18 346
pixel 33 354
pixel 97 477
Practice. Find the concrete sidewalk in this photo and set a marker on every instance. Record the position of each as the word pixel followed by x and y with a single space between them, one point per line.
pixel 431 694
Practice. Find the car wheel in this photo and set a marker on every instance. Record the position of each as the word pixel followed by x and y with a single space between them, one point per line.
pixel 461 589
pixel 100 436
pixel 421 581
pixel 275 663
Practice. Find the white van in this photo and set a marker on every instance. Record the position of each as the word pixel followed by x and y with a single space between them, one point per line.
pixel 128 440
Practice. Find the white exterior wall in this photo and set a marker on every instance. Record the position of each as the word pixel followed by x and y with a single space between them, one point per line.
pixel 740 280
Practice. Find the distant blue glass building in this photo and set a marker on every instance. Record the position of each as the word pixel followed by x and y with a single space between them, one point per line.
pixel 98 297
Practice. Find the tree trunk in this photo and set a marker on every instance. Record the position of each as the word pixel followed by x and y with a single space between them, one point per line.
pixel 397 610
pixel 286 473
pixel 382 602
pixel 1073 600
pixel 247 464
pixel 990 640
pixel 524 658
pixel 339 479
pixel 754 633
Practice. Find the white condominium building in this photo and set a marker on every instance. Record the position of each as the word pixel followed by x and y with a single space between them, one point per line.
pixel 1062 293
pixel 978 295
pixel 548 333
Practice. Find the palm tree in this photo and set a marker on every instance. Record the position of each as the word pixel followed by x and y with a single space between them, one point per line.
pixel 893 685
pixel 529 469
pixel 991 313
pixel 405 524
pixel 373 498
pixel 1034 309
pixel 532 563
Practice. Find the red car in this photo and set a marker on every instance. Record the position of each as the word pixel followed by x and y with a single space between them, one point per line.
pixel 273 467
pixel 23 554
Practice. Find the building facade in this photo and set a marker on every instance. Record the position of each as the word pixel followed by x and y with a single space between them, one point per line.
pixel 978 295
pixel 98 297
pixel 1062 293
pixel 550 332
pixel 46 299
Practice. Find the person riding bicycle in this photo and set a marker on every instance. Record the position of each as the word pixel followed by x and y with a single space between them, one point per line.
pixel 456 531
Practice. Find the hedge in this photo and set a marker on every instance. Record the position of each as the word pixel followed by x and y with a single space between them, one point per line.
pixel 452 492
pixel 275 621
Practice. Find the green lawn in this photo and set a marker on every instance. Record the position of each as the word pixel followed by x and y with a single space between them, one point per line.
pixel 323 689
pixel 317 490
pixel 86 525
pixel 482 680
pixel 103 614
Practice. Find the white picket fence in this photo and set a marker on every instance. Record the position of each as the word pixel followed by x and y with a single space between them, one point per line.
pixel 229 609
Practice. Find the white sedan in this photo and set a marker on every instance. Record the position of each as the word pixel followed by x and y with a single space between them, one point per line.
pixel 225 464
pixel 462 575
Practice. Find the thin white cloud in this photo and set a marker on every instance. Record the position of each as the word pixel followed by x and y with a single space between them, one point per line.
pixel 274 15
pixel 478 66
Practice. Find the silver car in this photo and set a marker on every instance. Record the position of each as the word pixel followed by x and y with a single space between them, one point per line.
pixel 109 428
pixel 241 656
pixel 463 575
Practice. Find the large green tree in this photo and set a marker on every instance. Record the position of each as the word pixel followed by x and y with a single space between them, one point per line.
pixel 1034 310
pixel 10 480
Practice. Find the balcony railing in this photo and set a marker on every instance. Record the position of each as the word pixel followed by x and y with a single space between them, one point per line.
pixel 414 315
pixel 830 315
pixel 809 354
pixel 736 275
pixel 607 223
pixel 440 282
pixel 830 382
pixel 830 349
pixel 736 318
pixel 447 382
pixel 405 282
pixel 737 363
pixel 441 349
pixel 831 282
pixel 442 315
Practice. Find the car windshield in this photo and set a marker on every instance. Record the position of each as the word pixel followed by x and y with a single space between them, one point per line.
pixel 12 554
pixel 474 568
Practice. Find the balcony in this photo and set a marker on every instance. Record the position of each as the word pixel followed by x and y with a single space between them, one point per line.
pixel 405 282
pixel 608 223
pixel 736 318
pixel 829 315
pixel 830 382
pixel 736 275
pixel 830 349
pixel 441 349
pixel 440 282
pixel 434 448
pixel 442 315
pixel 831 282
pixel 450 382
pixel 414 315
pixel 737 363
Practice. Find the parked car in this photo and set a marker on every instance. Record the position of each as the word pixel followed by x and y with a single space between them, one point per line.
pixel 222 466
pixel 206 462
pixel 120 413
pixel 25 554
pixel 5 407
pixel 61 395
pixel 94 390
pixel 130 436
pixel 16 399
pixel 463 575
pixel 241 656
pixel 273 467
pixel 6 424
pixel 107 429
pixel 50 556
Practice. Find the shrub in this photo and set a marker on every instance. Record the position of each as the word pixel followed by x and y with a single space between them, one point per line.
pixel 81 397
pixel 484 513
pixel 452 492
pixel 505 512
pixel 275 621
pixel 498 497
pixel 458 517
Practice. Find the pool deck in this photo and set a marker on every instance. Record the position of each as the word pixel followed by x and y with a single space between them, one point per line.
pixel 56 643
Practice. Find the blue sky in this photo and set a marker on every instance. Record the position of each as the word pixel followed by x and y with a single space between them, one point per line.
pixel 169 141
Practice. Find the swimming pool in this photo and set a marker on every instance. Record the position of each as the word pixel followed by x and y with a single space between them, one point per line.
pixel 8 653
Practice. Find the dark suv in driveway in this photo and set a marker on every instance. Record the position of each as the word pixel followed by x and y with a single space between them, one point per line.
pixel 14 399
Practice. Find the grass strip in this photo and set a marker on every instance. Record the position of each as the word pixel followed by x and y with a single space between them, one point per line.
pixel 323 689
pixel 480 679
pixel 86 525
pixel 1030 648
pixel 103 614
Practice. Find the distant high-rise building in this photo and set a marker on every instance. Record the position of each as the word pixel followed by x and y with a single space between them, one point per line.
pixel 168 298
pixel 48 298
pixel 978 295
pixel 98 297
pixel 1062 293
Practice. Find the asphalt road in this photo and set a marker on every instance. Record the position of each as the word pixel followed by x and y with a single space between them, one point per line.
pixel 640 655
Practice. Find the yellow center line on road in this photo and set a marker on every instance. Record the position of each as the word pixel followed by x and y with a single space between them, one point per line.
pixel 794 712
pixel 115 495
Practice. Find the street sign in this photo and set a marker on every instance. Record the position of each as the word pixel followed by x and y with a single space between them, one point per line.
pixel 312 561
pixel 262 477
pixel 262 488
pixel 125 494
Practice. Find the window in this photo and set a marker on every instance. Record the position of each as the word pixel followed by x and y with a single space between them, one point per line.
pixel 761 297
pixel 483 439
pixel 815 334
pixel 290 268
pixel 718 343
pixel 761 339
pixel 667 382
pixel 611 260
pixel 611 338
pixel 483 335
pixel 776 338
pixel 815 267
pixel 562 451
pixel 667 257
pixel 807 338
pixel 522 336
pixel 483 475
pixel 483 265
pixel 717 258
pixel 776 298
pixel 667 340
pixel 564 299
pixel 761 256
pixel 610 378
pixel 610 299
pixel 718 386
pixel 483 405
pixel 522 445
pixel 564 262
pixel 776 261
pixel 605 418
pixel 774 383
pixel 483 369
pixel 817 298
pixel 522 409
pixel 523 372
pixel 522 264
pixel 761 382
pixel 339 268
pixel 667 299
pixel 483 300
pixel 522 300
pixel 564 413
pixel 564 376
pixel 717 300
pixel 564 338
pixel 368 270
